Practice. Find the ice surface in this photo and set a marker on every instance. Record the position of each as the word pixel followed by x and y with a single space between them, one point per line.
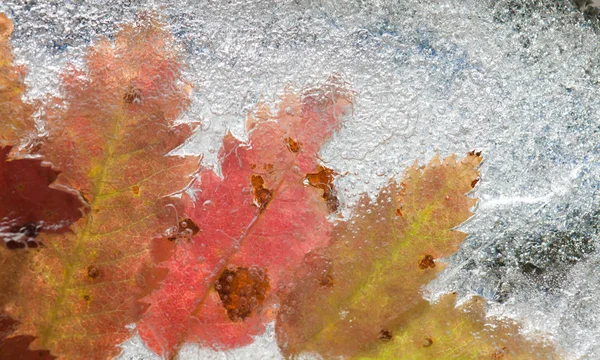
pixel 517 80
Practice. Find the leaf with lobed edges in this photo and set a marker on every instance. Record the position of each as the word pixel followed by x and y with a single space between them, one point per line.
pixel 109 136
pixel 256 225
pixel 365 287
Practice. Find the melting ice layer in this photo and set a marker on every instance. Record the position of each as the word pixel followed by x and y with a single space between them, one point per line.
pixel 519 82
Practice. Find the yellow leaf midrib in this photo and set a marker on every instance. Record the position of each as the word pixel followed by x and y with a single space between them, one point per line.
pixel 46 332
pixel 423 216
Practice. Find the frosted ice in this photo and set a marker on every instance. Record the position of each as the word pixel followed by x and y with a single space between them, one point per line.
pixel 515 80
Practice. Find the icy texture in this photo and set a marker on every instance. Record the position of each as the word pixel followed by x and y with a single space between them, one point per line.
pixel 519 82
pixel 263 348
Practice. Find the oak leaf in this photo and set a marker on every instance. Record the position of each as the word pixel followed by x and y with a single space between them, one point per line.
pixel 109 136
pixel 256 224
pixel 357 293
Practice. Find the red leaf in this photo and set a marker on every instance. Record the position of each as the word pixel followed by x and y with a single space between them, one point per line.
pixel 261 218
pixel 28 206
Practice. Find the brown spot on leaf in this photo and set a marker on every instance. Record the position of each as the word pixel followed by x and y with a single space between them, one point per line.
pixel 399 212
pixel 86 297
pixel 262 195
pixel 132 95
pixel 326 281
pixel 427 262
pixel 474 182
pixel 475 153
pixel 93 272
pixel 385 335
pixel 323 179
pixel 242 290
pixel 427 342
pixel 293 145
pixel 499 353
pixel 135 190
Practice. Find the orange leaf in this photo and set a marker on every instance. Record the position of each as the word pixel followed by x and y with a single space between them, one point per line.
pixel 109 136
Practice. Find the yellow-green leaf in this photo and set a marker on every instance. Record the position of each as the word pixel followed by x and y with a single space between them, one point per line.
pixel 442 331
pixel 369 279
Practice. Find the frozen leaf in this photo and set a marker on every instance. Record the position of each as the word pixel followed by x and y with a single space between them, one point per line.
pixel 15 115
pixel 361 296
pixel 443 331
pixel 256 225
pixel 109 136
pixel 28 206
pixel 349 295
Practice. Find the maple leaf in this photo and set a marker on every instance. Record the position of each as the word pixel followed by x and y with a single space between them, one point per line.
pixel 109 136
pixel 256 225
pixel 358 292
pixel 15 115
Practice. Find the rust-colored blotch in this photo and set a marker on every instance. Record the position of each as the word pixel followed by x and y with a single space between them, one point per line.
pixel 293 145
pixel 385 335
pixel 326 281
pixel 427 342
pixel 262 195
pixel 499 354
pixel 427 262
pixel 93 272
pixel 132 95
pixel 242 290
pixel 323 179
